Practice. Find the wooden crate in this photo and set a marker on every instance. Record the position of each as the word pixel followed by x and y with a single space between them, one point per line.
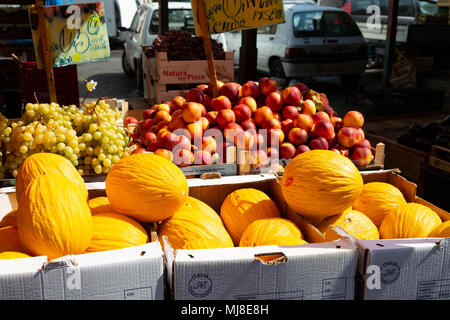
pixel 440 158
pixel 160 74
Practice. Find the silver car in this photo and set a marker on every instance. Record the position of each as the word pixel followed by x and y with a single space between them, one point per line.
pixel 314 40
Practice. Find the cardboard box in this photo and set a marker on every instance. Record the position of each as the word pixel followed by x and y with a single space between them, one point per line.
pixel 130 273
pixel 398 269
pixel 404 269
pixel 310 272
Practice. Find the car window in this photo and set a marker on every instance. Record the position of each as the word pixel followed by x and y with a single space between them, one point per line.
pixel 134 22
pixel 141 20
pixel 382 5
pixel 324 24
pixel 359 7
pixel 406 8
pixel 428 8
pixel 179 19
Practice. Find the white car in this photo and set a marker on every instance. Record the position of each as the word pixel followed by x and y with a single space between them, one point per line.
pixel 144 30
pixel 314 40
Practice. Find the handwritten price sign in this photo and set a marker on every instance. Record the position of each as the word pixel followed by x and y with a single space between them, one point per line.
pixel 75 33
pixel 229 15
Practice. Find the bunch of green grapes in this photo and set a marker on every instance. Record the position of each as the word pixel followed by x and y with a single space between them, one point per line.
pixel 89 138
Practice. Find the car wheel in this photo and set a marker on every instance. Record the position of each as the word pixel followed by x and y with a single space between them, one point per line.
pixel 276 69
pixel 351 80
pixel 126 66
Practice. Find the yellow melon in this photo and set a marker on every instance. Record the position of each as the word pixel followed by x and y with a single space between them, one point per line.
pixel 195 226
pixel 271 231
pixel 146 187
pixel 10 219
pixel 242 207
pixel 320 184
pixel 441 231
pixel 13 255
pixel 377 199
pixel 355 223
pixel 410 220
pixel 115 231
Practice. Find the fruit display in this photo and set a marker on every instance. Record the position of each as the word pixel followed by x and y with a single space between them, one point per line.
pixel 183 45
pixel 270 123
pixel 90 138
pixel 422 137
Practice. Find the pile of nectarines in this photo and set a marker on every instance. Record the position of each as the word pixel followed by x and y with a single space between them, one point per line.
pixel 271 123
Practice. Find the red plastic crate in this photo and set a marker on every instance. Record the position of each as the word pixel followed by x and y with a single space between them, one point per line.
pixel 33 81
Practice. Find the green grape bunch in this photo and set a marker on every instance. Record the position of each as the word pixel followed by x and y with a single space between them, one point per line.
pixel 90 137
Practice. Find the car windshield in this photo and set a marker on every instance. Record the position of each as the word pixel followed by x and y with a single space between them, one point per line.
pixel 429 8
pixel 179 19
pixel 324 24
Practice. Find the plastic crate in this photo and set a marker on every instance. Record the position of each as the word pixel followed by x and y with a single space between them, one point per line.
pixel 33 81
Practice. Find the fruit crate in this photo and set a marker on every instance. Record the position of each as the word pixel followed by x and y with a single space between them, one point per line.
pixel 33 80
pixel 165 79
pixel 440 158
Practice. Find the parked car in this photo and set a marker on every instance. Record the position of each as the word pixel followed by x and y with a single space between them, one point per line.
pixel 144 29
pixel 408 12
pixel 314 40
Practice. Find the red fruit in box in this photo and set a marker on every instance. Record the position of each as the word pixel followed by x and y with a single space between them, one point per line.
pixel 304 121
pixel 231 131
pixel 248 125
pixel 164 153
pixel 212 117
pixel 148 113
pixel 324 128
pixel 152 147
pixel 202 157
pixel 267 85
pixel 308 107
pixel 302 87
pixel 242 112
pixel 205 123
pixel 192 111
pixel 319 143
pixel 354 119
pixel 195 95
pixel 364 143
pixel 341 150
pixel 291 95
pixel 250 102
pixel 147 138
pixel 337 123
pixel 261 114
pixel 286 126
pixel 274 101
pixel 183 157
pixel 298 136
pixel 347 136
pixel 183 143
pixel 271 123
pixel 224 117
pixel 230 90
pixel 138 150
pixel 177 103
pixel 244 140
pixel 250 88
pixel 194 130
pixel 273 153
pixel 258 158
pixel 209 144
pixel 329 110
pixel 361 156
pixel 289 112
pixel 319 116
pixel 301 148
pixel 129 120
pixel 220 102
pixel 287 150
pixel 275 137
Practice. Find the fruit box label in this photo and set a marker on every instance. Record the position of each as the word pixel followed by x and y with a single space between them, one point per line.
pixel 189 71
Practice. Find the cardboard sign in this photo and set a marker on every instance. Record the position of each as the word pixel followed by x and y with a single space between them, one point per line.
pixel 229 15
pixel 75 33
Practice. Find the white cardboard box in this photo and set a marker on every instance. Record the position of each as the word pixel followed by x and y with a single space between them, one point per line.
pixel 313 271
pixel 404 269
pixel 308 272
pixel 130 273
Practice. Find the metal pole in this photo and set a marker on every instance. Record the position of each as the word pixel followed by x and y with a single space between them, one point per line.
pixel 163 16
pixel 389 51
pixel 248 55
